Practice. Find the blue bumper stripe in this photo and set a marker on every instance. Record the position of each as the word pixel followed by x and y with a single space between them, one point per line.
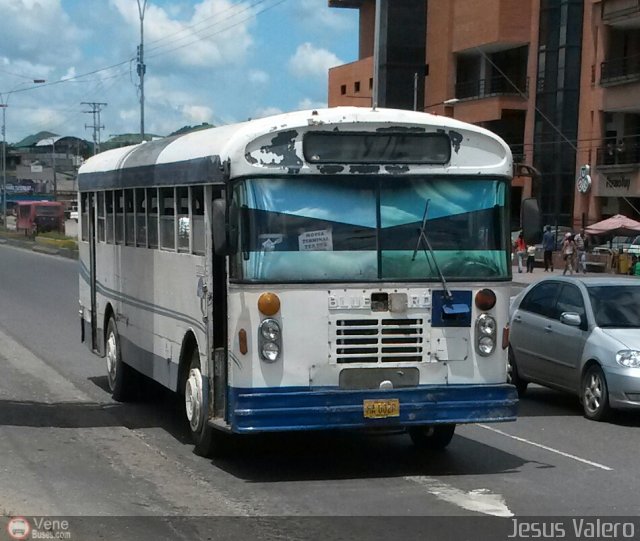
pixel 300 408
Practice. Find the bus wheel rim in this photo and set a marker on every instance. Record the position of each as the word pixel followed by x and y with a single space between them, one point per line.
pixel 193 399
pixel 112 359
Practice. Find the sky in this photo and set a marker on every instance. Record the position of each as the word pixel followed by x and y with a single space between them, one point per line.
pixel 215 61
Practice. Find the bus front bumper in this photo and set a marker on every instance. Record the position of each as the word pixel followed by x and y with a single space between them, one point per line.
pixel 286 409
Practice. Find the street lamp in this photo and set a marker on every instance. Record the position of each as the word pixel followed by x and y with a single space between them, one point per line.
pixel 4 103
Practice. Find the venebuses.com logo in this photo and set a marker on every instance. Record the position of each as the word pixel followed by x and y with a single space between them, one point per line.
pixel 18 528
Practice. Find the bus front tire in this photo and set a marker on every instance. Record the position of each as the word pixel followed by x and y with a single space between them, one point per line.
pixel 123 380
pixel 208 441
pixel 432 437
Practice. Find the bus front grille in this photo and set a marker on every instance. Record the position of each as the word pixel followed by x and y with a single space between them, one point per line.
pixel 378 340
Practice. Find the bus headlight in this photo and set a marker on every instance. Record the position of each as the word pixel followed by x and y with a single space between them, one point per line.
pixel 270 351
pixel 485 334
pixel 269 340
pixel 486 345
pixel 270 330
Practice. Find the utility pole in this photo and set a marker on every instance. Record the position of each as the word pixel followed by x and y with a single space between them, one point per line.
pixel 141 67
pixel 96 107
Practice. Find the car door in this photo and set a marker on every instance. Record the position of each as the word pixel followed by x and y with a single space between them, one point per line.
pixel 566 341
pixel 528 332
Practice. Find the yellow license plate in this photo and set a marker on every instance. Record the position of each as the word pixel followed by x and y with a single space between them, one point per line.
pixel 380 409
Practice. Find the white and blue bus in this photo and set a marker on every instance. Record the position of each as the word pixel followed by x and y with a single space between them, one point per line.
pixel 326 269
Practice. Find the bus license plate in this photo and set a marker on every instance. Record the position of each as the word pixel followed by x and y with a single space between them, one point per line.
pixel 380 409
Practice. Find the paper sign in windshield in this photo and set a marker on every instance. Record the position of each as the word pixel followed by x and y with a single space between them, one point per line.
pixel 315 241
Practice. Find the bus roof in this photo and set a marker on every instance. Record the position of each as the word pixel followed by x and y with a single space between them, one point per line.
pixel 198 157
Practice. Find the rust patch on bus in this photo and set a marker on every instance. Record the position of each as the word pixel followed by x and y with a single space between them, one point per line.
pixel 331 169
pixel 397 169
pixel 365 169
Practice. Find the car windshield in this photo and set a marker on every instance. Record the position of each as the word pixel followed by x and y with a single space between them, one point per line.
pixel 616 306
pixel 369 228
pixel 46 210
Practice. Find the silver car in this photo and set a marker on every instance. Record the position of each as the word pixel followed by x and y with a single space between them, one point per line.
pixel 582 335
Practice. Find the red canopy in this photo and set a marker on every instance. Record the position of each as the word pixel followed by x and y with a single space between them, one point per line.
pixel 616 225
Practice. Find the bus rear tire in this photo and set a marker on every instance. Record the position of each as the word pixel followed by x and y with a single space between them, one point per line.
pixel 123 380
pixel 432 437
pixel 208 441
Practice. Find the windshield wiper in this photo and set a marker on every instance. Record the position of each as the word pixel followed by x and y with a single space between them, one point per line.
pixel 423 237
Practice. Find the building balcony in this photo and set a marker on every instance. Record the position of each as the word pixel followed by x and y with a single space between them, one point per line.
pixel 495 86
pixel 621 13
pixel 620 70
pixel 624 155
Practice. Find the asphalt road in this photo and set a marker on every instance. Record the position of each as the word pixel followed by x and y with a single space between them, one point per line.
pixel 67 449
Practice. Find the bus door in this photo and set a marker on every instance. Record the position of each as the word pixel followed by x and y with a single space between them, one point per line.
pixel 92 237
pixel 218 316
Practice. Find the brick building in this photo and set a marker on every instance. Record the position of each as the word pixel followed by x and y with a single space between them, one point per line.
pixel 559 80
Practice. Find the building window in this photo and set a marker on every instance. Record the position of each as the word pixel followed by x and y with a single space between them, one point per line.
pixel 343 89
pixel 356 86
pixel 370 83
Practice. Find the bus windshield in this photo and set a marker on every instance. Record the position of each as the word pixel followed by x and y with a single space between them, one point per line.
pixel 370 228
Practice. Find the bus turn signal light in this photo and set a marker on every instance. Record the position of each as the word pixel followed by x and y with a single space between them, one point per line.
pixel 269 304
pixel 485 299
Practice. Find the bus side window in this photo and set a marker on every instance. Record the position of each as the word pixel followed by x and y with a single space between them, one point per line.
pixel 152 214
pixel 85 216
pixel 101 216
pixel 184 224
pixel 108 199
pixel 167 219
pixel 129 218
pixel 119 207
pixel 197 216
pixel 141 218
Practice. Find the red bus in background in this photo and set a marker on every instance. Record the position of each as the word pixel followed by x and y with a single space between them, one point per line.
pixel 35 217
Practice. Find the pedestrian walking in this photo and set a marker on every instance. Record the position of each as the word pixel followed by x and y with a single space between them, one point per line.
pixel 531 257
pixel 568 253
pixel 520 247
pixel 581 255
pixel 548 246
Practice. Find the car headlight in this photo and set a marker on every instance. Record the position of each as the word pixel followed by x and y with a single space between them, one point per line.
pixel 270 329
pixel 270 351
pixel 629 358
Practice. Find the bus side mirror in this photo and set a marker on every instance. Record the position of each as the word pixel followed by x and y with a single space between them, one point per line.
pixel 224 225
pixel 530 220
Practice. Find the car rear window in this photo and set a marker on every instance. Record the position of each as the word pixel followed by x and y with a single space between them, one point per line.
pixel 616 306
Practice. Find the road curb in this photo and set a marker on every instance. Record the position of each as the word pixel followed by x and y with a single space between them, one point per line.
pixel 32 246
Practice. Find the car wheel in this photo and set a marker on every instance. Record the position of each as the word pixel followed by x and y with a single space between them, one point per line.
pixel 207 440
pixel 432 437
pixel 123 380
pixel 595 395
pixel 512 375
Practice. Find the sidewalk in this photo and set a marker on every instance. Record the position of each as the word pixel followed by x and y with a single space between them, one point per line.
pixel 538 273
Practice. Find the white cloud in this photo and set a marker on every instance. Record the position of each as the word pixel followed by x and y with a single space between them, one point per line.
pixel 308 103
pixel 197 114
pixel 309 61
pixel 216 34
pixel 267 111
pixel 314 14
pixel 258 77
pixel 32 31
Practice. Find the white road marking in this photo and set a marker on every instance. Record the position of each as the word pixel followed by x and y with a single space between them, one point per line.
pixel 480 500
pixel 550 449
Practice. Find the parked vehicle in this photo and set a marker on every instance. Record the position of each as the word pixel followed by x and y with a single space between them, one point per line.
pixel 580 335
pixel 34 217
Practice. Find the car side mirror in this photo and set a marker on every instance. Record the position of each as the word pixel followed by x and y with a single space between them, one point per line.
pixel 571 318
